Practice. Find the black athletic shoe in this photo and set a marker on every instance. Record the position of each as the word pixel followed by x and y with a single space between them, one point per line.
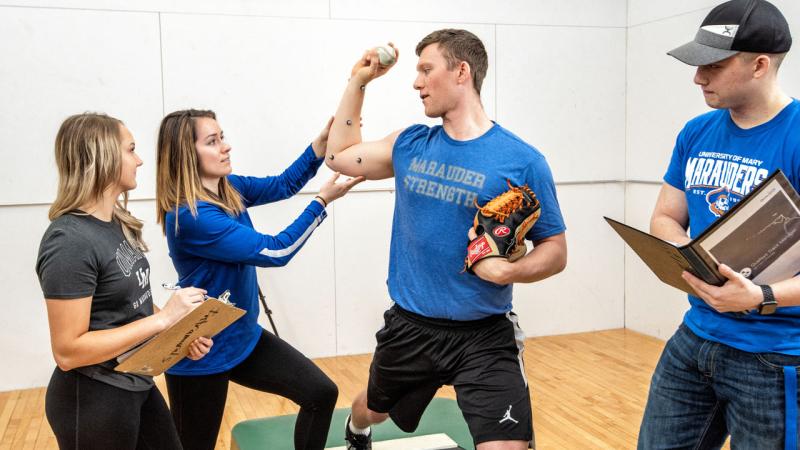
pixel 356 441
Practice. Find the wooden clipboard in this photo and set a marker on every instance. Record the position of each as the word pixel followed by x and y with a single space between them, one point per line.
pixel 161 352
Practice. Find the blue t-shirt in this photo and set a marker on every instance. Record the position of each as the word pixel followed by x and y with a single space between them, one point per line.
pixel 717 163
pixel 437 180
pixel 216 251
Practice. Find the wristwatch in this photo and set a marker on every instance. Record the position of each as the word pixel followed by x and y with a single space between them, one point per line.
pixel 769 304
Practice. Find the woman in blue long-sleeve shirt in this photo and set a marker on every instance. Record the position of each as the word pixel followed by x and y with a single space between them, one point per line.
pixel 213 244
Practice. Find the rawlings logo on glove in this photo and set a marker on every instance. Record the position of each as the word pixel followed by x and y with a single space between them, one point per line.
pixel 501 225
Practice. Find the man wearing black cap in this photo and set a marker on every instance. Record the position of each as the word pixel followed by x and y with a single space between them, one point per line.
pixel 730 369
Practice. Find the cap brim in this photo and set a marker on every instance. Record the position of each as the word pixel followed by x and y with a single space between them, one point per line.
pixel 696 54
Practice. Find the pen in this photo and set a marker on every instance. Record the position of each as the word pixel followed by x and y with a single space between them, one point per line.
pixel 222 297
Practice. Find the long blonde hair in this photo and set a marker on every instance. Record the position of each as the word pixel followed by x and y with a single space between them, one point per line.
pixel 88 154
pixel 178 170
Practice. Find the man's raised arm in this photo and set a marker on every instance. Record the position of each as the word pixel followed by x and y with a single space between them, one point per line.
pixel 346 152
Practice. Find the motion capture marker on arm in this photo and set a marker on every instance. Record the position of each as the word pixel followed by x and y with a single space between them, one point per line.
pixel 349 122
pixel 363 87
pixel 330 157
pixel 358 160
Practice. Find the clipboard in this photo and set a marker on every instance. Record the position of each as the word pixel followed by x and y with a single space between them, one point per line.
pixel 157 354
pixel 759 237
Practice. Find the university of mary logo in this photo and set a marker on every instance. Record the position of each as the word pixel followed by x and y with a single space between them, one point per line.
pixel 719 200
pixel 722 179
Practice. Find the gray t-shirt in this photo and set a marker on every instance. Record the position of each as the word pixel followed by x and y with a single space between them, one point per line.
pixel 82 256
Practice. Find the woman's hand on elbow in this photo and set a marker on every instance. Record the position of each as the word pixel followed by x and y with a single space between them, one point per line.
pixel 332 190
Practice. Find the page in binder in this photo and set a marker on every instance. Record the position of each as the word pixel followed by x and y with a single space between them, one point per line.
pixel 761 238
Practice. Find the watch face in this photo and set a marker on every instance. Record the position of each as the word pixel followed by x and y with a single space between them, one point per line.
pixel 768 307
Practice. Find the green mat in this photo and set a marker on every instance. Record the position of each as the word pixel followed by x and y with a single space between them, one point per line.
pixel 442 416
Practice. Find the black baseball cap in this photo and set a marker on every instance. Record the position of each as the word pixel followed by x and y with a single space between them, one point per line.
pixel 755 26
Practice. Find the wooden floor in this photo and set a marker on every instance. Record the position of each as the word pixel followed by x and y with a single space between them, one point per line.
pixel 588 390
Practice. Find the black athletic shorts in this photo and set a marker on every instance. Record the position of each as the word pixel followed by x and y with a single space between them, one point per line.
pixel 481 359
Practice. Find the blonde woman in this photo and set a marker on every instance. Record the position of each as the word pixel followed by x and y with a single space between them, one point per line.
pixel 95 280
pixel 212 242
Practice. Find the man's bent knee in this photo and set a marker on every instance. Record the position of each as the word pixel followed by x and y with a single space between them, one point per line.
pixel 376 417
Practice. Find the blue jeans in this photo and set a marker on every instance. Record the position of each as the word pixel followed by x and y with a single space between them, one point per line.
pixel 703 391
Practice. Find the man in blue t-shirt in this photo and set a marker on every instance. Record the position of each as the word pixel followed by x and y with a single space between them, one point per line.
pixel 448 326
pixel 730 369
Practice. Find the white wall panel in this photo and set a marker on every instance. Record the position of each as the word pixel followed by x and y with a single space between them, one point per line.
pixel 661 94
pixel 789 75
pixel 569 104
pixel 651 307
pixel 588 295
pixel 609 13
pixel 363 231
pixel 59 63
pixel 642 11
pixel 272 99
pixel 24 331
pixel 301 294
pixel 306 8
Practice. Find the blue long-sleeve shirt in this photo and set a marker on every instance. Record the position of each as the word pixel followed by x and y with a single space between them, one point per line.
pixel 216 251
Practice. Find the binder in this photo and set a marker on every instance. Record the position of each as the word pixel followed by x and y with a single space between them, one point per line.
pixel 759 237
pixel 165 349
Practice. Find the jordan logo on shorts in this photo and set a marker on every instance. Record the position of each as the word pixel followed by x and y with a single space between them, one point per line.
pixel 507 416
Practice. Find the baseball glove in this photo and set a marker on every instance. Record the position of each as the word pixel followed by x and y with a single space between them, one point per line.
pixel 501 225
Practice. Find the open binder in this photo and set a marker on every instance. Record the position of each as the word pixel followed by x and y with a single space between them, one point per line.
pixel 759 237
pixel 159 353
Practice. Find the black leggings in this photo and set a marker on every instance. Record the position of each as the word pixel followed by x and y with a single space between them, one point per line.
pixel 86 414
pixel 274 366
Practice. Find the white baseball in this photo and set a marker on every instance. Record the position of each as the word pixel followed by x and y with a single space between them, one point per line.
pixel 386 55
